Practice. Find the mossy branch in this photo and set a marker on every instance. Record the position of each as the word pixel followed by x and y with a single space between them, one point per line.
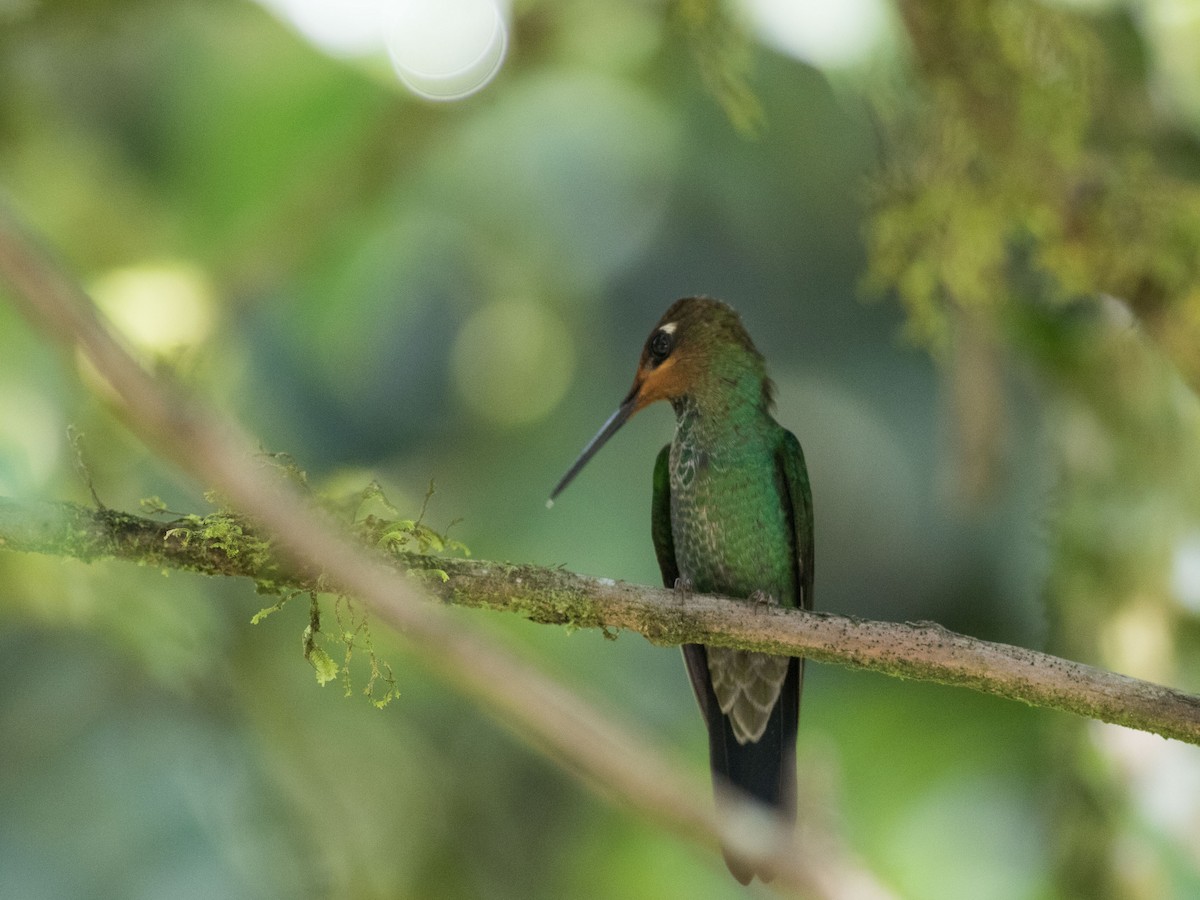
pixel 920 651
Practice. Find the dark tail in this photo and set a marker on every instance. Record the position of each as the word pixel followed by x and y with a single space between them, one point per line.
pixel 766 769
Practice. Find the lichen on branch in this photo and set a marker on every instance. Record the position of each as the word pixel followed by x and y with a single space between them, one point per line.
pixel 554 596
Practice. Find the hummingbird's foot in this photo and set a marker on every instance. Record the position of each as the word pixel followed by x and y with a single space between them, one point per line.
pixel 761 600
pixel 683 589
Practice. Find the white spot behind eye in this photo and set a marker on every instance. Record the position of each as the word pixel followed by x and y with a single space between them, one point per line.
pixel 669 328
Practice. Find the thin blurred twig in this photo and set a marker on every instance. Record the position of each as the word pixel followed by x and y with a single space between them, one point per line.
pixel 610 757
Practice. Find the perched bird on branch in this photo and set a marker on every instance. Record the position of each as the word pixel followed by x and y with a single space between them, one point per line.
pixel 732 514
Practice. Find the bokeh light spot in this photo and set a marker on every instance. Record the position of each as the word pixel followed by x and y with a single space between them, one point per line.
pixel 513 361
pixel 820 32
pixel 1185 572
pixel 447 49
pixel 160 307
pixel 577 168
pixel 344 28
pixel 31 438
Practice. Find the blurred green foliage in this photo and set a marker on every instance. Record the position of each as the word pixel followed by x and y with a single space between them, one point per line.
pixel 392 289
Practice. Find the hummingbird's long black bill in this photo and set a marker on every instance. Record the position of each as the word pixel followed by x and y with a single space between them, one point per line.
pixel 615 421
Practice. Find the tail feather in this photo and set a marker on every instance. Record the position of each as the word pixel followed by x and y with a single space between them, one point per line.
pixel 764 769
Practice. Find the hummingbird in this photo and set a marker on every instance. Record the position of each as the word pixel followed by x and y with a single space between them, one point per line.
pixel 731 514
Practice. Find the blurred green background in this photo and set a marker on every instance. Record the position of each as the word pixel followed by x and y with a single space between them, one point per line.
pixel 1001 440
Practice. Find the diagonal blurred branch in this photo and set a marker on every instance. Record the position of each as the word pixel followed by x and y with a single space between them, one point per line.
pixel 611 758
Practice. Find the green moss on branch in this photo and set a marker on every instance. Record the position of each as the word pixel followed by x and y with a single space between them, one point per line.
pixel 920 651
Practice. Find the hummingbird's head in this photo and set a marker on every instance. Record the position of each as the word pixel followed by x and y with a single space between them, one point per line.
pixel 698 349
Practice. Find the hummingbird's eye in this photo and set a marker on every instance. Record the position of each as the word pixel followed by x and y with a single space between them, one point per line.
pixel 660 346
